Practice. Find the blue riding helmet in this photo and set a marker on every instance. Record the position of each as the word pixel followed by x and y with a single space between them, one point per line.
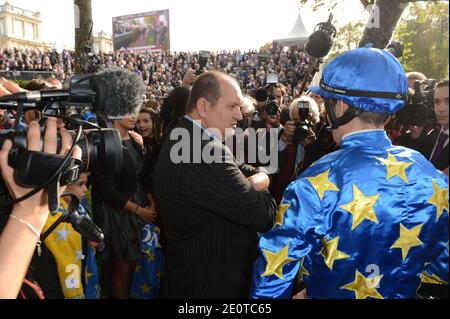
pixel 369 79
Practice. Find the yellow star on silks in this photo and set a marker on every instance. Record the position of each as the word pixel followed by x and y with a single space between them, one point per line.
pixel 395 167
pixel 276 262
pixel 364 287
pixel 151 257
pixel 433 279
pixel 145 289
pixel 409 238
pixel 361 207
pixel 439 199
pixel 322 184
pixel 331 253
pixel 303 270
pixel 88 275
pixel 281 211
pixel 138 269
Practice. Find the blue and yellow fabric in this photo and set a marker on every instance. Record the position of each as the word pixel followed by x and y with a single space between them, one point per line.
pixel 149 269
pixel 91 278
pixel 66 247
pixel 368 221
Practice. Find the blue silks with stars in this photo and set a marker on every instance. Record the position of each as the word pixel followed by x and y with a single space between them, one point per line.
pixel 149 269
pixel 91 280
pixel 368 221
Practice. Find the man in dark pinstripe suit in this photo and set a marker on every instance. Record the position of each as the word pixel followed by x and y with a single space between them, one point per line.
pixel 211 209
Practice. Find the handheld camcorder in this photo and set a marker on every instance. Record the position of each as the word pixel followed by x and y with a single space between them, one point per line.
pixel 203 62
pixel 101 148
pixel 303 127
pixel 420 110
pixel 272 107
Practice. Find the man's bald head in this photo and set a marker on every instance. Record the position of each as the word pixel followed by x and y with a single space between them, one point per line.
pixel 207 86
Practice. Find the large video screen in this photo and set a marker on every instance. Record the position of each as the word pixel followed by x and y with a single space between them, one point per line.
pixel 143 31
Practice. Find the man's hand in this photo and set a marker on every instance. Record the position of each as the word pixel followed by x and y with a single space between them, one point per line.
pixel 147 214
pixel 289 131
pixel 260 182
pixel 11 86
pixel 301 295
pixel 189 77
pixel 311 138
pixel 4 91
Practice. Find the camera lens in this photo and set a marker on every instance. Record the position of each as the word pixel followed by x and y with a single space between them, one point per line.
pixel 272 107
pixel 101 150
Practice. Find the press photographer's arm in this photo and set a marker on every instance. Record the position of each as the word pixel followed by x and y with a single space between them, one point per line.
pixel 21 234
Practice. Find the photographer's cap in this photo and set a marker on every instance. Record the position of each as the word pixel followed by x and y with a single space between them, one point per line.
pixel 366 78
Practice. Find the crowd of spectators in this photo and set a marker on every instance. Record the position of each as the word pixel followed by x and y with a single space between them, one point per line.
pixel 163 71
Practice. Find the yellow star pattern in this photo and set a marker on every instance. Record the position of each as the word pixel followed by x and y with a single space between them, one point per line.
pixel 322 184
pixel 276 262
pixel 303 270
pixel 409 238
pixel 433 279
pixel 88 275
pixel 331 253
pixel 138 269
pixel 281 211
pixel 151 257
pixel 145 289
pixel 364 287
pixel 395 167
pixel 361 207
pixel 439 199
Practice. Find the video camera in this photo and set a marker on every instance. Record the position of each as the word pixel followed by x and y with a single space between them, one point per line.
pixel 272 107
pixel 203 61
pixel 420 111
pixel 304 126
pixel 101 148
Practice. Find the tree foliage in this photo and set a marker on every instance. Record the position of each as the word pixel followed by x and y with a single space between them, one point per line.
pixel 347 38
pixel 424 33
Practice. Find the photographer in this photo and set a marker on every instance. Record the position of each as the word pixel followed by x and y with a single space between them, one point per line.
pixel 297 134
pixel 439 137
pixel 28 217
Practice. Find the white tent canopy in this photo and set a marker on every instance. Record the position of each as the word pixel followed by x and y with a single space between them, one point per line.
pixel 298 36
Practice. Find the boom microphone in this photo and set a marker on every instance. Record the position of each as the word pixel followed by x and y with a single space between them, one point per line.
pixel 115 92
pixel 36 96
pixel 321 41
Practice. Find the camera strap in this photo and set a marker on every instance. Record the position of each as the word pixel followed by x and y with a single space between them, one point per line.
pixel 19 112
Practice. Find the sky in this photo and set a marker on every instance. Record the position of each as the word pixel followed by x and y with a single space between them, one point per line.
pixel 195 24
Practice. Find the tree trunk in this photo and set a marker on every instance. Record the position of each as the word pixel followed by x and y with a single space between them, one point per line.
pixel 386 14
pixel 83 31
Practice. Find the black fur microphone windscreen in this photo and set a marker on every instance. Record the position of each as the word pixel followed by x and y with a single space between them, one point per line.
pixel 319 44
pixel 120 92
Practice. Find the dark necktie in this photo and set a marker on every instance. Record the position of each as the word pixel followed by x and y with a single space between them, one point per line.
pixel 439 147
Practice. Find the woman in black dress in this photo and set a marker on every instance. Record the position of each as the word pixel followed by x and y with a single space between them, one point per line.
pixel 121 209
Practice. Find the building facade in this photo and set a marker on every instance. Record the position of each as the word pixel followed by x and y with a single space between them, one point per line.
pixel 20 28
pixel 103 42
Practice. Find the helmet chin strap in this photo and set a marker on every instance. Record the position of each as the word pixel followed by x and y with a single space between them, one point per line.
pixel 336 122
